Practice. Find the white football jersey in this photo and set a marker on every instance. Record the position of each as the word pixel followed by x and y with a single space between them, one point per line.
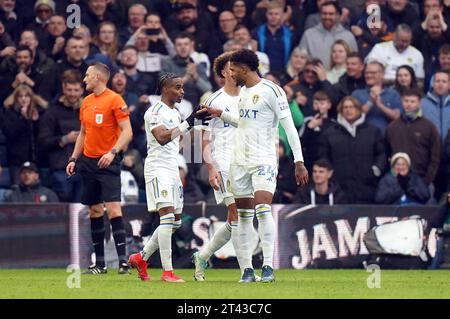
pixel 222 144
pixel 260 109
pixel 161 159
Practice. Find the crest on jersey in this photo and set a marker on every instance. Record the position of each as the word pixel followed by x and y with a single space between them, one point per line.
pixel 255 98
pixel 99 118
pixel 164 193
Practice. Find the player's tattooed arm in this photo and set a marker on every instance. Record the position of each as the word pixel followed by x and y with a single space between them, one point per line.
pixel 212 171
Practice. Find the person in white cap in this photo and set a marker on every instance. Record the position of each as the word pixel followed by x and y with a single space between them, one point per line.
pixel 43 9
pixel 401 186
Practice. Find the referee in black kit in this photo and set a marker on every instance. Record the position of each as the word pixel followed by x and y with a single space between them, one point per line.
pixel 105 131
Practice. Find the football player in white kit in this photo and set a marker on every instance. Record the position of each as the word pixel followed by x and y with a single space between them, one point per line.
pixel 162 180
pixel 254 167
pixel 218 145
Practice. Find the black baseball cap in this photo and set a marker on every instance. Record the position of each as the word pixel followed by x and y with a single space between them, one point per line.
pixel 184 5
pixel 30 166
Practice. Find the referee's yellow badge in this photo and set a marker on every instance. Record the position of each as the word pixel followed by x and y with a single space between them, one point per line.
pixel 255 98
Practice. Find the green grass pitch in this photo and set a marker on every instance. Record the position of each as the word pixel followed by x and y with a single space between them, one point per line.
pixel 222 284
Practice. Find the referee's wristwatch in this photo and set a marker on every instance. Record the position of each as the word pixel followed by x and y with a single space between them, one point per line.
pixel 113 151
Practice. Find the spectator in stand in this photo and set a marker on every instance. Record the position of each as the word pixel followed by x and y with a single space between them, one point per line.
pixel 43 9
pixel 23 111
pixel 445 162
pixel 353 79
pixel 58 131
pixel 381 104
pixel 436 104
pixel 322 190
pixel 140 83
pixel 136 19
pixel 315 126
pixel 319 39
pixel 7 45
pixel 339 52
pixel 274 38
pixel 398 52
pixel 22 72
pixel 436 108
pixel 416 136
pixel 242 36
pixel 356 150
pixel 136 109
pixel 295 66
pixel 194 75
pixel 443 63
pixel 75 51
pixel 405 79
pixel 159 41
pixel 286 184
pixel 403 12
pixel 227 24
pixel 312 79
pixel 92 52
pixel 360 21
pixel 41 61
pixel 29 189
pixel 107 40
pixel 98 11
pixel 188 19
pixel 56 37
pixel 9 18
pixel 401 186
pixel 313 19
pixel 437 35
pixel 241 12
pixel 369 34
pixel 152 42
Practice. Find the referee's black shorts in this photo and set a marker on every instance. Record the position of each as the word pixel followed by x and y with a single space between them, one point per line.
pixel 99 185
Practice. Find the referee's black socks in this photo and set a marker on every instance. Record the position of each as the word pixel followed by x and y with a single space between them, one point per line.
pixel 98 238
pixel 118 231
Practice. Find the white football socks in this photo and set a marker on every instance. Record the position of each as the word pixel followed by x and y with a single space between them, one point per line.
pixel 235 241
pixel 165 240
pixel 151 246
pixel 266 231
pixel 220 238
pixel 245 230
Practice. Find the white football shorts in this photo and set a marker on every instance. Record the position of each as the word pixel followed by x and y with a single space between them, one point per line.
pixel 244 181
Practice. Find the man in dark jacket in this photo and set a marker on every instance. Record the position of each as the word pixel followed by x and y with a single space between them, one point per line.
pixel 353 79
pixel 323 190
pixel 58 131
pixel 75 50
pixel 30 190
pixel 416 136
pixel 22 72
pixel 313 79
pixel 356 150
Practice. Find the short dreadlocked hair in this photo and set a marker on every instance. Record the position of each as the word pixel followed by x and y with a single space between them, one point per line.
pixel 246 57
pixel 164 80
pixel 220 63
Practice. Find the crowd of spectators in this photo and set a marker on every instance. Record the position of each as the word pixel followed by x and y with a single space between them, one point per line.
pixel 370 95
